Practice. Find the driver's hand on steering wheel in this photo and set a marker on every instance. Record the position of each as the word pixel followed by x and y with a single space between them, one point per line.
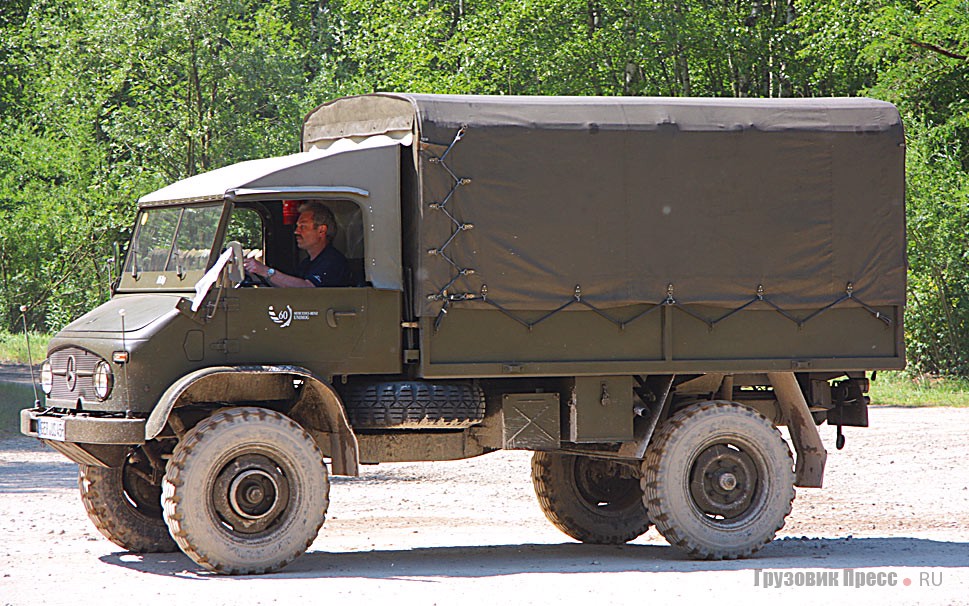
pixel 255 267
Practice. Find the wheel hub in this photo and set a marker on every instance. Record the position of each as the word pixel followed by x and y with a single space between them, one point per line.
pixel 140 491
pixel 727 481
pixel 251 493
pixel 723 481
pixel 606 484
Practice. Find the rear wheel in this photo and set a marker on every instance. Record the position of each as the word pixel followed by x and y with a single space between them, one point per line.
pixel 718 480
pixel 245 492
pixel 592 500
pixel 125 506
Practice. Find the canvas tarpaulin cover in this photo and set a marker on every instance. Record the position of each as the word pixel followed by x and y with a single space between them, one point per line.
pixel 624 197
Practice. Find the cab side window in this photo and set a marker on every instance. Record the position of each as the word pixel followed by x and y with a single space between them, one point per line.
pixel 246 228
pixel 349 237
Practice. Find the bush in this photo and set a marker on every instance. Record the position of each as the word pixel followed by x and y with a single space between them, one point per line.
pixel 13 347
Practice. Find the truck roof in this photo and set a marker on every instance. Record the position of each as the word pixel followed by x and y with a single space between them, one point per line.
pixel 387 112
pixel 294 174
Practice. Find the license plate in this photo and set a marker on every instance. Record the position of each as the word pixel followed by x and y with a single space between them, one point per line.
pixel 50 429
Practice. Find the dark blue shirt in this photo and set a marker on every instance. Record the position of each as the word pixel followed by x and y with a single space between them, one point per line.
pixel 329 268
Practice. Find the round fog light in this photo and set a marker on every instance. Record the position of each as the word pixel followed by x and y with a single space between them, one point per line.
pixel 47 377
pixel 103 380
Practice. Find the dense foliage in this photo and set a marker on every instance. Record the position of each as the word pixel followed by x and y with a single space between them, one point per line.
pixel 104 100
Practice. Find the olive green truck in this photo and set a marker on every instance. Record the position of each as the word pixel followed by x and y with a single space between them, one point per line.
pixel 639 290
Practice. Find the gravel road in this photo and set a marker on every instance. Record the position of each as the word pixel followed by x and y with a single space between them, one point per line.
pixel 895 511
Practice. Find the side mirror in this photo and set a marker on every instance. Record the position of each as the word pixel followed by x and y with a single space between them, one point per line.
pixel 236 272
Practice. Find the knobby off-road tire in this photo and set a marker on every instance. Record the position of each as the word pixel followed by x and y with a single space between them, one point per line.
pixel 414 405
pixel 245 491
pixel 719 481
pixel 591 500
pixel 125 507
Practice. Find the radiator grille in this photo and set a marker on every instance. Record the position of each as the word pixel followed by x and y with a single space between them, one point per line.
pixel 73 370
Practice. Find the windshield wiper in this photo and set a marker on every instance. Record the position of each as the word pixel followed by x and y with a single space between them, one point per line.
pixel 171 251
pixel 134 252
pixel 179 270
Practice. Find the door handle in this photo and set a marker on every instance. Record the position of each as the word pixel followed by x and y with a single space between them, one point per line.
pixel 333 316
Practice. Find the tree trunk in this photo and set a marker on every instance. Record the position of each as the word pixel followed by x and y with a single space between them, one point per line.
pixel 681 66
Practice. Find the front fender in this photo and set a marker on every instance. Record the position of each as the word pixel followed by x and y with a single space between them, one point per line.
pixel 318 409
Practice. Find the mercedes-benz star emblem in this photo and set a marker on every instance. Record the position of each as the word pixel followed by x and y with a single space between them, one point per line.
pixel 70 375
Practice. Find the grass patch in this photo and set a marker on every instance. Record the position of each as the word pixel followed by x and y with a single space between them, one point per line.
pixel 13 347
pixel 903 389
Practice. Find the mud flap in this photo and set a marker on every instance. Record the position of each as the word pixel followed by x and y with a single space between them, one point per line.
pixel 811 455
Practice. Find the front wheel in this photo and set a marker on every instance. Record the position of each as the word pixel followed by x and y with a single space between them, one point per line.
pixel 592 500
pixel 245 491
pixel 718 480
pixel 125 506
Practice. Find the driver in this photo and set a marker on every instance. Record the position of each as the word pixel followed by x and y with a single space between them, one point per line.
pixel 324 265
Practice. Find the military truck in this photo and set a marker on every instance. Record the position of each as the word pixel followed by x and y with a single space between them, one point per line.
pixel 639 290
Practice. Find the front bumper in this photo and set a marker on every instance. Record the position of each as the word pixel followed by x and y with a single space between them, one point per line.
pixel 84 428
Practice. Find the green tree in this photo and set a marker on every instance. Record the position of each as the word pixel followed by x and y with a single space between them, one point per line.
pixel 938 251
pixel 923 53
pixel 105 100
pixel 832 58
pixel 592 47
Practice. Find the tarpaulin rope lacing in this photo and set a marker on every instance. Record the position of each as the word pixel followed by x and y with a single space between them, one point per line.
pixel 458 227
pixel 669 301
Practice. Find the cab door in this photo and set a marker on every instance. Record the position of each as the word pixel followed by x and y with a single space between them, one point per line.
pixel 330 331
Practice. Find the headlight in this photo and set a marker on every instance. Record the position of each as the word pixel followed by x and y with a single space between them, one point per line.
pixel 103 380
pixel 47 377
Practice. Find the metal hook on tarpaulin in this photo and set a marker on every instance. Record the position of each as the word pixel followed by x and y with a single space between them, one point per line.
pixel 457 137
pixel 849 294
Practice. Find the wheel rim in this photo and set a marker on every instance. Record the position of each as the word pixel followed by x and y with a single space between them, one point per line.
pixel 251 494
pixel 726 482
pixel 606 485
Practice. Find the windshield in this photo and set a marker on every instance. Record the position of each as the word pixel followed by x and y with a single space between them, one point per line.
pixel 171 246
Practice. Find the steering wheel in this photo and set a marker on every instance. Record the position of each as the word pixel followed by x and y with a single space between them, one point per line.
pixel 237 272
pixel 255 280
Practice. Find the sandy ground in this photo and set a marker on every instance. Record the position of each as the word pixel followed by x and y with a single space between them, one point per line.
pixel 896 502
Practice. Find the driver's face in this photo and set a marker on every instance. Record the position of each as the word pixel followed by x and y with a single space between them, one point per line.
pixel 309 236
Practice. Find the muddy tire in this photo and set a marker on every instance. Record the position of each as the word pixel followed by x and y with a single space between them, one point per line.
pixel 245 491
pixel 125 507
pixel 414 405
pixel 719 481
pixel 591 500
